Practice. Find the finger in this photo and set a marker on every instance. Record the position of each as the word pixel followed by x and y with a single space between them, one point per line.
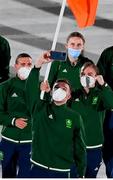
pixel 21 126
pixel 46 55
pixel 47 82
pixel 23 119
pixel 21 123
pixel 48 60
pixel 44 85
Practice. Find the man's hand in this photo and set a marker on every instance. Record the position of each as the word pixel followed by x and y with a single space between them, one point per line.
pixel 43 59
pixel 45 86
pixel 21 123
pixel 100 80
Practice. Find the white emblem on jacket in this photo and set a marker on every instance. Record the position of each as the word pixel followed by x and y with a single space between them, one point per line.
pixel 50 116
pixel 64 71
pixel 14 95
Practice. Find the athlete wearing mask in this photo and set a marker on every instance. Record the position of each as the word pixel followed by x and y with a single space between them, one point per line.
pixel 15 118
pixel 91 102
pixel 58 148
pixel 71 67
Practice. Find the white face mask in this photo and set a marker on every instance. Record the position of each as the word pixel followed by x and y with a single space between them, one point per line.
pixel 87 81
pixel 58 94
pixel 23 73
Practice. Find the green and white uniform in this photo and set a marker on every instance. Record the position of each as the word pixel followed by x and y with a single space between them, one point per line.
pixel 92 107
pixel 57 131
pixel 65 70
pixel 12 106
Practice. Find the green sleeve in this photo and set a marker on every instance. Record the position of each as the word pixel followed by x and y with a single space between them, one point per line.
pixel 53 72
pixel 107 97
pixel 105 65
pixel 102 63
pixel 80 148
pixel 32 90
pixel 5 56
pixel 5 117
pixel 105 62
pixel 7 53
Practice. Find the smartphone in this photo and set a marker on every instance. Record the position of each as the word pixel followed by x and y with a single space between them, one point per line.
pixel 58 56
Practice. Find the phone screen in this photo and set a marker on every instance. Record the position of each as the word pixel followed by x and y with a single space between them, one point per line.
pixel 58 56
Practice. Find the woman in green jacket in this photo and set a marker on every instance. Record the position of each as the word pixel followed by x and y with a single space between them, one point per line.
pixel 91 102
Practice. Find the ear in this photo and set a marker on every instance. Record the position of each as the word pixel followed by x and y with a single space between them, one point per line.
pixel 69 96
pixel 16 67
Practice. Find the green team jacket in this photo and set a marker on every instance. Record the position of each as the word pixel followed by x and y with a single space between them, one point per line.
pixel 57 131
pixel 105 65
pixel 5 56
pixel 92 109
pixel 12 105
pixel 64 70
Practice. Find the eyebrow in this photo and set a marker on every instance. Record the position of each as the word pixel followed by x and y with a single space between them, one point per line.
pixel 91 73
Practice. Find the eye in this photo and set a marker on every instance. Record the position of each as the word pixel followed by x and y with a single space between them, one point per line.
pixel 29 64
pixel 79 45
pixel 23 64
pixel 64 88
pixel 56 87
pixel 90 74
pixel 82 74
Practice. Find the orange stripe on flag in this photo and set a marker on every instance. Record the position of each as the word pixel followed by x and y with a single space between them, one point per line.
pixel 84 11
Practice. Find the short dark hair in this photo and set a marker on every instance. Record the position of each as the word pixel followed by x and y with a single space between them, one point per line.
pixel 76 34
pixel 65 81
pixel 90 64
pixel 22 55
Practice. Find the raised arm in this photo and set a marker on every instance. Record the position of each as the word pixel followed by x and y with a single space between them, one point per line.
pixel 53 72
pixel 107 96
pixel 33 84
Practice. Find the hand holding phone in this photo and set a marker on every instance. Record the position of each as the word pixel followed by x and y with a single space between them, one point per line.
pixel 58 56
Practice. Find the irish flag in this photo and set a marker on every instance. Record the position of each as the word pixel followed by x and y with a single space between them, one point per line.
pixel 84 11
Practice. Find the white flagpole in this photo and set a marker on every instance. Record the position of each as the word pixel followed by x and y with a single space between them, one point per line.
pixel 54 42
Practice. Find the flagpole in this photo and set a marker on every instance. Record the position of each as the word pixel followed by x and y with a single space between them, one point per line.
pixel 54 41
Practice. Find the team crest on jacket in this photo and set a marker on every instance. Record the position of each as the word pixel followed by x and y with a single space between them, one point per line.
pixel 94 101
pixel 68 123
pixel 65 70
pixel 50 116
pixel 14 95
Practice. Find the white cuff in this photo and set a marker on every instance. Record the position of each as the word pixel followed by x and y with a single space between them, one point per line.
pixel 13 120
